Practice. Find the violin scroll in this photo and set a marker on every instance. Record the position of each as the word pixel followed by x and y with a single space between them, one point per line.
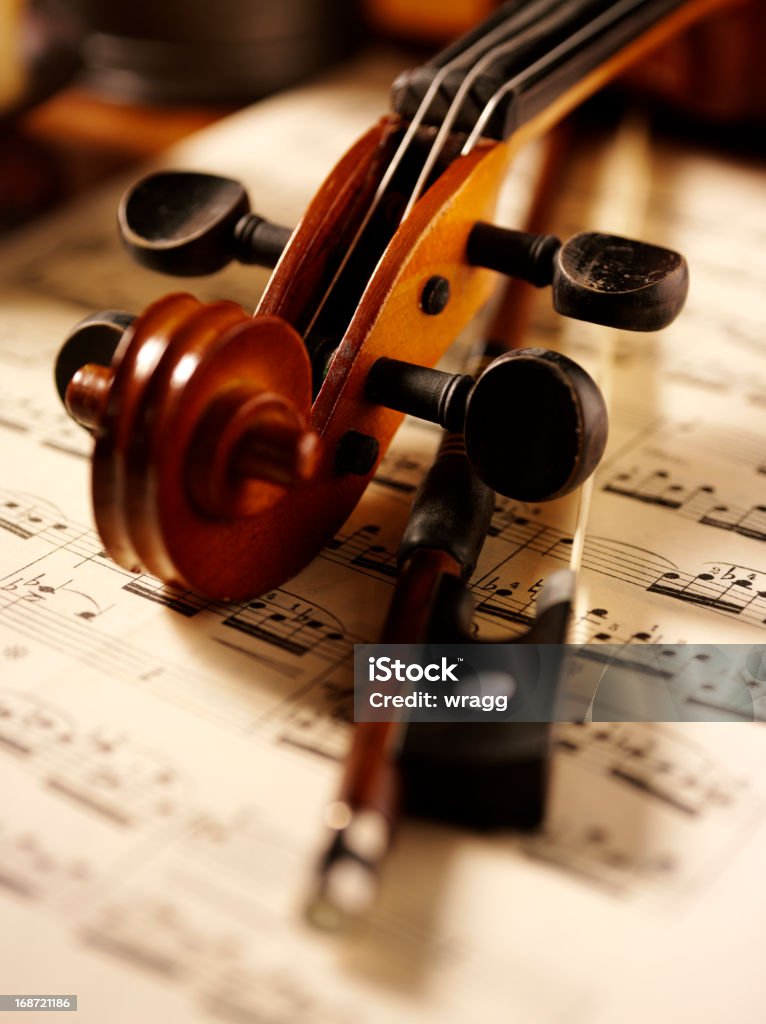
pixel 197 427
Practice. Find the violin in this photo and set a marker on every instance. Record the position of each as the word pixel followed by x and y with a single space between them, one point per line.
pixel 229 447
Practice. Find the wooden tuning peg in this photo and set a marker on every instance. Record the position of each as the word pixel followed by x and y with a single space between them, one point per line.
pixel 535 423
pixel 186 224
pixel 93 342
pixel 604 279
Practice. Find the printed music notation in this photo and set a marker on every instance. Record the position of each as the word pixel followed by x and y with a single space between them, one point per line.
pixel 504 597
pixel 301 640
pixel 101 771
pixel 658 762
pixel 400 472
pixel 698 443
pixel 232 718
pixel 699 503
pixel 177 599
pixel 732 589
pixel 29 725
pixel 67 578
pixel 319 730
pixel 596 625
pixel 217 961
pixel 644 764
pixel 285 621
pixel 359 550
pixel 677 683
pixel 34 868
pixel 721 588
pixel 600 857
pixel 28 517
pixel 88 262
pixel 36 418
pixel 721 378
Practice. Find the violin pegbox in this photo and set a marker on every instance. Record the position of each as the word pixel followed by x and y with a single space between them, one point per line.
pixel 535 423
pixel 197 427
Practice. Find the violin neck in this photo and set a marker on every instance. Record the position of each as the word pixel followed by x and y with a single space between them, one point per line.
pixel 527 55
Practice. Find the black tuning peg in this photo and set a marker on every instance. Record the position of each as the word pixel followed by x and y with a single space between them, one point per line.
pixel 604 279
pixel 183 223
pixel 91 341
pixel 535 423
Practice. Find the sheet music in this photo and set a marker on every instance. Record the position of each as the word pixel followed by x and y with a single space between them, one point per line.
pixel 165 760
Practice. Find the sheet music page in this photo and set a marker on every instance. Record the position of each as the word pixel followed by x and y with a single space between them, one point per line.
pixel 165 760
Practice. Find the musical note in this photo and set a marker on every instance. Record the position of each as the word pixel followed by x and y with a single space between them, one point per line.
pixel 156 933
pixel 359 550
pixel 632 768
pixel 730 589
pixel 49 426
pixel 33 868
pixel 313 730
pixel 692 441
pixel 178 599
pixel 655 681
pixel 602 857
pixel 400 473
pixel 698 503
pixel 27 724
pixel 120 781
pixel 663 765
pixel 290 624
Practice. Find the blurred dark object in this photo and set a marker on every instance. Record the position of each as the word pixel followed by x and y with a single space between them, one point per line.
pixel 29 180
pixel 716 70
pixel 39 53
pixel 203 51
pixel 427 21
pixel 39 42
pixel 74 140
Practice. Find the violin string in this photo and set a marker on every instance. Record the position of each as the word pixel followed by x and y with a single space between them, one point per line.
pixel 624 180
pixel 522 24
pixel 624 183
pixel 515 23
pixel 582 35
pixel 554 20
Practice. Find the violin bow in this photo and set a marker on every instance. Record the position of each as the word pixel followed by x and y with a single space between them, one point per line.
pixel 392 763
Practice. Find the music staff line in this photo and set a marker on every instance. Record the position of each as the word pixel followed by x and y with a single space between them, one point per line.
pixel 280 618
pixel 287 625
pixel 726 589
pixel 719 440
pixel 680 682
pixel 699 504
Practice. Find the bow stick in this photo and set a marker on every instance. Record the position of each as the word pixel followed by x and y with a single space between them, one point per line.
pixel 441 544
